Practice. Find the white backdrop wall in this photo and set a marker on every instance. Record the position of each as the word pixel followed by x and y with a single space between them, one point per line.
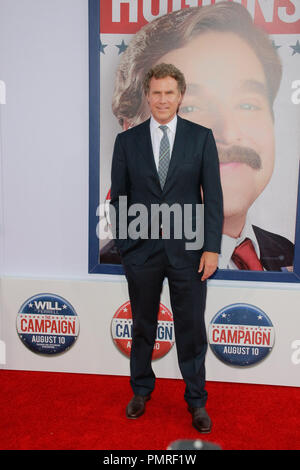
pixel 45 122
pixel 44 208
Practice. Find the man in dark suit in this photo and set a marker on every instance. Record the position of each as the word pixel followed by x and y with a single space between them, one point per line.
pixel 167 160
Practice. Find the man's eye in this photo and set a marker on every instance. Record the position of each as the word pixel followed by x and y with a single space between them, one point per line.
pixel 248 107
pixel 188 109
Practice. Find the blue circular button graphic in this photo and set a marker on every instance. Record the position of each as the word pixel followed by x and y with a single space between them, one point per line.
pixel 241 334
pixel 47 324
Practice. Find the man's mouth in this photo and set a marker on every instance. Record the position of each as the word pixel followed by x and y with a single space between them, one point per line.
pixel 235 155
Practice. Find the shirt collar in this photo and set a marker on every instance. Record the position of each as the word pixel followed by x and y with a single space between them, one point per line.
pixel 229 244
pixel 171 125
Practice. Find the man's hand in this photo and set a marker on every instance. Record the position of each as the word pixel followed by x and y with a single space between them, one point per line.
pixel 208 264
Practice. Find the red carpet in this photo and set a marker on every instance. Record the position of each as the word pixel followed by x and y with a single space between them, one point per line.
pixel 41 411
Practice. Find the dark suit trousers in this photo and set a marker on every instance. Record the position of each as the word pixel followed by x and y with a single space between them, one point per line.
pixel 188 297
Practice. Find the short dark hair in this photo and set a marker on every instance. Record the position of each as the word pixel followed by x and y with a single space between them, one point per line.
pixel 175 30
pixel 162 71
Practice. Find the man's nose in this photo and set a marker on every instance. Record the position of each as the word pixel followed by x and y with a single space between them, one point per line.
pixel 226 127
pixel 163 98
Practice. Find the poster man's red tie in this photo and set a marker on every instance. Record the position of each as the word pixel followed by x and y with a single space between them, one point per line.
pixel 245 257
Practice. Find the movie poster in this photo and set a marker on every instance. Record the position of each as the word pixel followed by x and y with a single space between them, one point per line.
pixel 241 61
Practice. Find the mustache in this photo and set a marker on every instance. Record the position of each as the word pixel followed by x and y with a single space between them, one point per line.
pixel 241 155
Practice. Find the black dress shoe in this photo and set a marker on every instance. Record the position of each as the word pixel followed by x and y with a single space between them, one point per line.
pixel 201 421
pixel 136 406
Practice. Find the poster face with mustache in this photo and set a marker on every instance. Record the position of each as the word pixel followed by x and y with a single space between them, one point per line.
pixel 237 154
pixel 231 100
pixel 228 91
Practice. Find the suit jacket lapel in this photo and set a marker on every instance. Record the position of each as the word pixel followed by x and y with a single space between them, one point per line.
pixel 145 144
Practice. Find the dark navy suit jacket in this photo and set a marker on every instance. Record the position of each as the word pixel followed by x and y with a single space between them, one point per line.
pixel 194 165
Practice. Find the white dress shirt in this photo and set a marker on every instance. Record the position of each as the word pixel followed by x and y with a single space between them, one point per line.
pixel 229 244
pixel 157 133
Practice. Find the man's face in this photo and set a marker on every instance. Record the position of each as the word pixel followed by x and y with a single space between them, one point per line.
pixel 227 92
pixel 163 98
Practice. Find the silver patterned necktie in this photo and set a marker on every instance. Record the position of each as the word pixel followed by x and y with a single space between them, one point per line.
pixel 164 157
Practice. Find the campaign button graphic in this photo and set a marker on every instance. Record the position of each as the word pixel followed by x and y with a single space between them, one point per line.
pixel 241 334
pixel 47 324
pixel 121 331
